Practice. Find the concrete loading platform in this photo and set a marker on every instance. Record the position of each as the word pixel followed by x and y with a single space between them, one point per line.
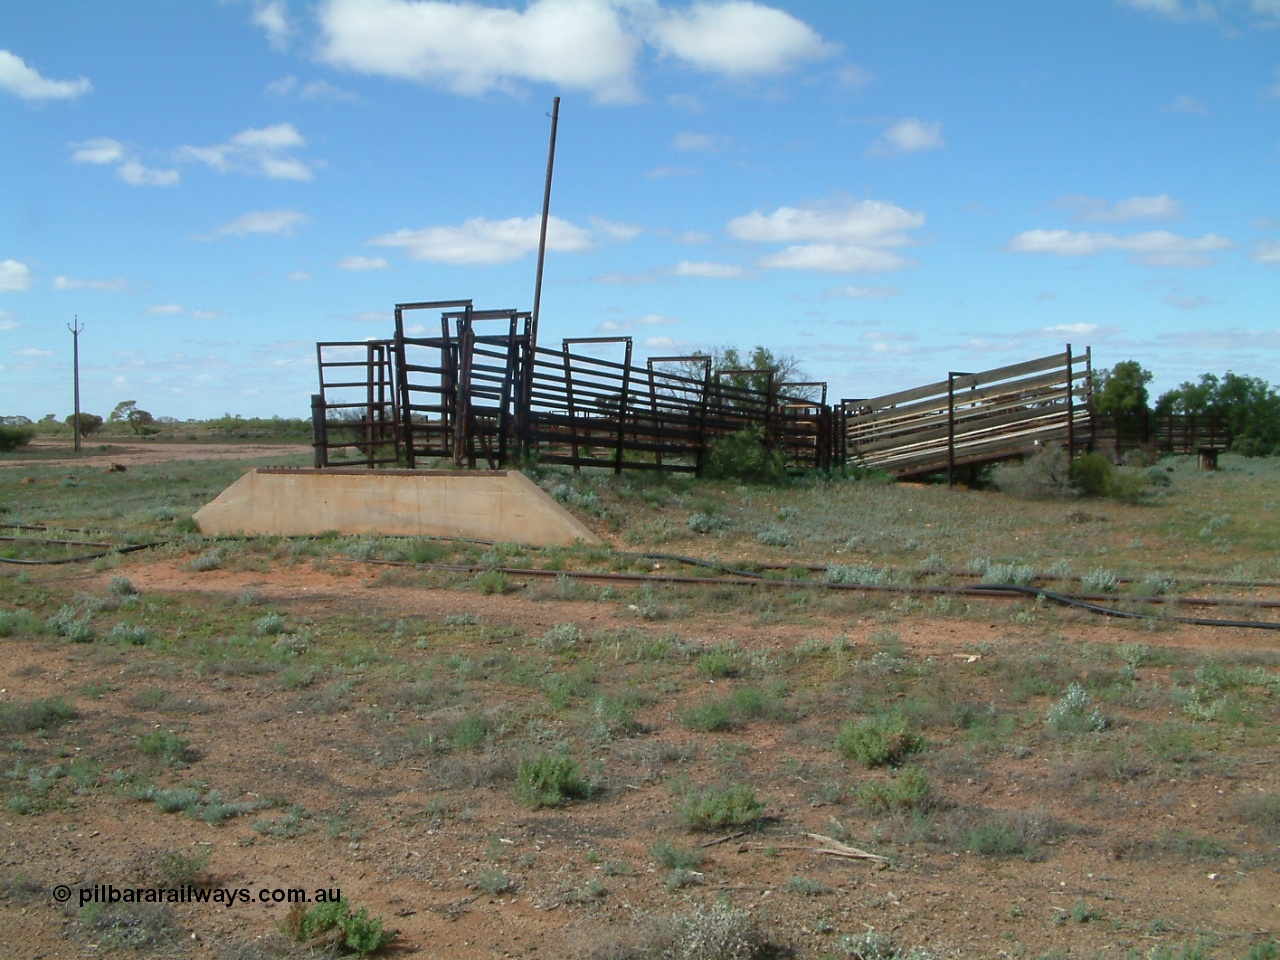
pixel 500 505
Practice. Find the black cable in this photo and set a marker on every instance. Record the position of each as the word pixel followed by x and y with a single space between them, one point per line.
pixel 1069 601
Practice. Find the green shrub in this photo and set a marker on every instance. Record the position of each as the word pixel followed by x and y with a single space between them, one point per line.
pixel 11 437
pixel 16 622
pixel 360 933
pixel 169 747
pixel 877 741
pixel 722 661
pixel 469 732
pixel 744 455
pixel 718 809
pixel 269 625
pixel 135 635
pixel 675 857
pixel 710 716
pixel 562 636
pixel 548 780
pixel 1093 474
pixel 492 581
pixel 1015 834
pixel 122 587
pixel 1045 475
pixel 25 717
pixel 908 791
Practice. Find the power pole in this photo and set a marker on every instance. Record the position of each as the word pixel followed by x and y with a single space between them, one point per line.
pixel 542 236
pixel 75 329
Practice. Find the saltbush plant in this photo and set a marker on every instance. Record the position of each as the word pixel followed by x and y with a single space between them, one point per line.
pixel 1071 714
pixel 719 809
pixel 878 741
pixel 548 780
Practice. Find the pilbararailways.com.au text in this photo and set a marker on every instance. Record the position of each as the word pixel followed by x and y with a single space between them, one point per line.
pixel 108 893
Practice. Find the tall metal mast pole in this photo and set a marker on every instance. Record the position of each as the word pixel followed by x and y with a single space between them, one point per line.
pixel 75 329
pixel 542 237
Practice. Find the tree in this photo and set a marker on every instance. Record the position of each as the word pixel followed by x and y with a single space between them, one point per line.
pixel 1249 405
pixel 1122 390
pixel 140 420
pixel 13 435
pixel 89 422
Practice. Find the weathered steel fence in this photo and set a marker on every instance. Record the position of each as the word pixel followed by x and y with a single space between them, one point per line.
pixel 479 392
pixel 1200 433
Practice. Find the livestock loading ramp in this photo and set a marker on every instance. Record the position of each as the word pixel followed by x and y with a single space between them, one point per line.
pixel 971 419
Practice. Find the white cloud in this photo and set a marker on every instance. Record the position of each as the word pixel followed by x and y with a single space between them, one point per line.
pixel 274 21
pixel 135 174
pixel 626 326
pixel 105 150
pixel 692 237
pixel 1072 329
pixel 311 90
pixel 1174 10
pixel 1268 251
pixel 737 38
pixel 207 314
pixel 714 271
pixel 850 76
pixel 1156 248
pixel 483 242
pixel 853 292
pixel 165 309
pixel 699 142
pixel 363 263
pixel 847 238
pixel 1183 103
pixel 589 45
pixel 7 322
pixel 98 150
pixel 1160 207
pixel 119 285
pixel 883 342
pixel 870 222
pixel 835 258
pixel 910 135
pixel 261 150
pixel 298 276
pixel 32 352
pixel 25 82
pixel 375 316
pixel 472 49
pixel 283 222
pixel 612 231
pixel 14 276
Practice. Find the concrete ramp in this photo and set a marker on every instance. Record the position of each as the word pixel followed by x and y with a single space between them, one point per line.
pixel 498 505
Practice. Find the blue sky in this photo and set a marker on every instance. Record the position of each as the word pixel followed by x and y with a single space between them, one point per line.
pixel 886 190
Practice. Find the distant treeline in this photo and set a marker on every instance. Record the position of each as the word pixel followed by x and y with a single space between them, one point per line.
pixel 1250 406
pixel 130 421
